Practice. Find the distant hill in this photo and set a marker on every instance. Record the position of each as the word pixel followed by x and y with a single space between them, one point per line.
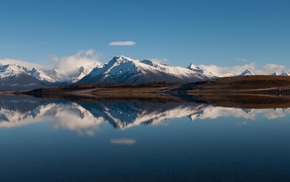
pixel 257 84
pixel 241 84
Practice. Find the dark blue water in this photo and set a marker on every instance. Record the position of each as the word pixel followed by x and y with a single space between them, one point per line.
pixel 136 141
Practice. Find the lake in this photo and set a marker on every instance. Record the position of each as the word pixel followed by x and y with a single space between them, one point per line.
pixel 59 140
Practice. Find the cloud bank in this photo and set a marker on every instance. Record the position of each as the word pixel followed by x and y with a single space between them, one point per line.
pixel 69 65
pixel 227 71
pixel 236 70
pixel 66 65
pixel 122 43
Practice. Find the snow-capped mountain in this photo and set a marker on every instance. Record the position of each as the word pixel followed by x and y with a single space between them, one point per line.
pixel 247 73
pixel 122 69
pixel 12 70
pixel 210 70
pixel 17 77
pixel 76 72
pixel 281 73
pixel 9 70
pixel 58 76
pixel 47 75
pixel 201 70
pixel 82 72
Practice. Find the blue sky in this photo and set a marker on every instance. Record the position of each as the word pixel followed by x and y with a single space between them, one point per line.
pixel 219 32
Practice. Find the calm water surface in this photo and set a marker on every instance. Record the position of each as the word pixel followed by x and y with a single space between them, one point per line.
pixel 47 140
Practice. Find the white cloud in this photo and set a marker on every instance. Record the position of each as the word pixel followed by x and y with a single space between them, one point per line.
pixel 70 64
pixel 274 114
pixel 274 67
pixel 162 61
pixel 122 43
pixel 242 59
pixel 123 141
pixel 89 52
pixel 270 68
pixel 21 63
pixel 227 71
pixel 65 65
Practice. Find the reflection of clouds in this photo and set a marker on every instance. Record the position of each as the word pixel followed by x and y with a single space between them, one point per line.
pixel 14 118
pixel 212 112
pixel 68 116
pixel 243 123
pixel 123 141
pixel 274 114
pixel 87 120
pixel 76 118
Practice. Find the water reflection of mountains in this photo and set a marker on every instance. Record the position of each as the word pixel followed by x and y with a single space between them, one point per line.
pixel 86 117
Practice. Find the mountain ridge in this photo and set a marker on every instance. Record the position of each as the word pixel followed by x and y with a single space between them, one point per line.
pixel 281 73
pixel 120 69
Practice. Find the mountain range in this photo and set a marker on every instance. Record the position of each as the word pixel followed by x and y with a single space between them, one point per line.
pixel 126 70
pixel 120 69
pixel 88 116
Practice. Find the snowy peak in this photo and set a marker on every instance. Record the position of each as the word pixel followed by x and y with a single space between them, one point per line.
pixel 281 73
pixel 172 70
pixel 200 70
pixel 15 77
pixel 117 66
pixel 122 59
pixel 120 69
pixel 247 73
pixel 210 71
pixel 45 75
pixel 11 70
pixel 123 69
pixel 83 71
pixel 121 63
pixel 156 64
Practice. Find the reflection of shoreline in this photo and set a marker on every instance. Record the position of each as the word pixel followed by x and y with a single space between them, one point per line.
pixel 257 91
pixel 87 117
pixel 250 101
pixel 226 99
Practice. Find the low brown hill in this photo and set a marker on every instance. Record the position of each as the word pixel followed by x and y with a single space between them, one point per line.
pixel 242 84
pixel 106 92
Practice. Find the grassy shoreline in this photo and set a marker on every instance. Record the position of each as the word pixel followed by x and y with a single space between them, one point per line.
pixel 247 92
